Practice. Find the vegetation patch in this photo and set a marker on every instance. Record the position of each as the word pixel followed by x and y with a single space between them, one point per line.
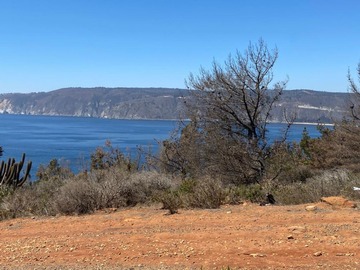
pixel 221 156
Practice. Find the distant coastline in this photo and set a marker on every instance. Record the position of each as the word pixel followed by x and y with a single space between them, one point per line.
pixel 304 123
pixel 310 107
pixel 162 119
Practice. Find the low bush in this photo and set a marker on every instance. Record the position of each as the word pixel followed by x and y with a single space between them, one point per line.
pixel 328 183
pixel 298 173
pixel 41 200
pixel 78 196
pixel 252 193
pixel 83 193
pixel 207 193
pixel 60 192
pixel 16 204
pixel 143 187
pixel 189 193
pixel 187 185
pixel 110 188
pixel 36 198
pixel 171 200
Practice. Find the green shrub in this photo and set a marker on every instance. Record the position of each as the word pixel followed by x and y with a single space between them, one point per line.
pixel 205 193
pixel 170 200
pixel 187 186
pixel 252 193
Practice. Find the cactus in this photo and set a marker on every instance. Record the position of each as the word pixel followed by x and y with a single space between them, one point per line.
pixel 10 172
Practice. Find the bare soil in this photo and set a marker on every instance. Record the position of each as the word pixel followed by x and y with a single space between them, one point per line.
pixel 239 237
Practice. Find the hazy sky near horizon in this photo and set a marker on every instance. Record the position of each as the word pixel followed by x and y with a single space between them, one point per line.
pixel 47 44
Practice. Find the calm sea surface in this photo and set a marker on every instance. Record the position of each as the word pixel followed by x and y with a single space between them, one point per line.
pixel 72 139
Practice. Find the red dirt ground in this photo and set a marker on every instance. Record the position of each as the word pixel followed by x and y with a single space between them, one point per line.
pixel 239 237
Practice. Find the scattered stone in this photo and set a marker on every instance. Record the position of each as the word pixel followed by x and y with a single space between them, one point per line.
pixel 338 202
pixel 318 254
pixel 228 212
pixel 345 254
pixel 255 255
pixel 311 208
pixel 290 237
pixel 297 229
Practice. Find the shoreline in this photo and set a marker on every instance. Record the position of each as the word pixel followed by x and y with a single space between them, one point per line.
pixel 305 123
pixel 153 119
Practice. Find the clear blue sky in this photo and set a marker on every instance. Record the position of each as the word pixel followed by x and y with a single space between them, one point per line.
pixel 51 44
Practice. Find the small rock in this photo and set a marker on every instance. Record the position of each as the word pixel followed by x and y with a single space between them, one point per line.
pixel 310 208
pixel 345 254
pixel 228 212
pixel 297 229
pixel 318 254
pixel 257 255
pixel 290 237
pixel 338 202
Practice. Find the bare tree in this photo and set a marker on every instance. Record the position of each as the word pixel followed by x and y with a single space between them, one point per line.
pixel 355 90
pixel 231 106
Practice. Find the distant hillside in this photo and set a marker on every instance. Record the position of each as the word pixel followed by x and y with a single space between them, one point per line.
pixel 159 103
pixel 313 106
pixel 122 103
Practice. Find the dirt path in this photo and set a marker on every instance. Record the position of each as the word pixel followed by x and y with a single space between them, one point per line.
pixel 239 237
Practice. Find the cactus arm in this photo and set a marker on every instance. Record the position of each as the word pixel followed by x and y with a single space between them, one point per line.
pixel 23 179
pixel 10 172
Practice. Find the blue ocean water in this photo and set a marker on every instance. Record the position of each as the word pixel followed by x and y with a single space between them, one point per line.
pixel 73 139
